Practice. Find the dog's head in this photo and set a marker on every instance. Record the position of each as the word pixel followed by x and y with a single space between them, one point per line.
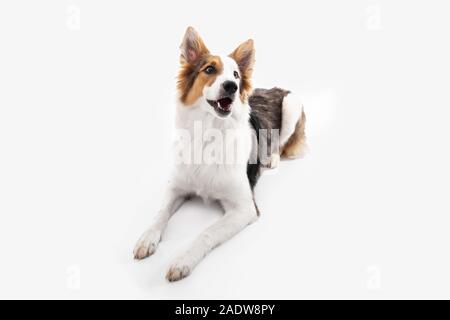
pixel 218 84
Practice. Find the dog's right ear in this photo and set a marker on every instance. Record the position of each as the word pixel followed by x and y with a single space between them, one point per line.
pixel 192 48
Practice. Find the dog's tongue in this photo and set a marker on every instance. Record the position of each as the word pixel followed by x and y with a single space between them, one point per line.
pixel 225 103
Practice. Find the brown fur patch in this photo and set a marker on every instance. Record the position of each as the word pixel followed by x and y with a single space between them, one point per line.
pixel 296 145
pixel 192 78
pixel 244 55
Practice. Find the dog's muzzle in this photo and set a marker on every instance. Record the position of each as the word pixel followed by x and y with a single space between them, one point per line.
pixel 222 106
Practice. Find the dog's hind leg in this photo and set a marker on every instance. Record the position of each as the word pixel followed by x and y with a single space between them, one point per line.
pixel 292 135
pixel 149 241
pixel 237 217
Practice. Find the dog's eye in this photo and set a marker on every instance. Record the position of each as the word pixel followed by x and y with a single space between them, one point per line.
pixel 210 70
pixel 236 75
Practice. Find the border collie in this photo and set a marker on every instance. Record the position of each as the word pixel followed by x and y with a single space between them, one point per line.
pixel 215 102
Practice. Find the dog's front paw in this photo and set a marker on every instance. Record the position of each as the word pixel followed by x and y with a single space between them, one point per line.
pixel 147 244
pixel 180 269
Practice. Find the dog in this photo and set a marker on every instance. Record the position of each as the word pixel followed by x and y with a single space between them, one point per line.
pixel 215 93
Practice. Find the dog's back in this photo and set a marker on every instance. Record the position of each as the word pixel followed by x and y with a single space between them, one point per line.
pixel 278 117
pixel 266 105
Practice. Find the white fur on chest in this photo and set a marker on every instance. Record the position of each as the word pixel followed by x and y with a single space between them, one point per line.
pixel 221 176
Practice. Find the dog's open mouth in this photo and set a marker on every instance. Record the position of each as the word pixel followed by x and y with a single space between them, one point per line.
pixel 222 106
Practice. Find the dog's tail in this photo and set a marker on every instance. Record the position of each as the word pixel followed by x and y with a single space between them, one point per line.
pixel 292 135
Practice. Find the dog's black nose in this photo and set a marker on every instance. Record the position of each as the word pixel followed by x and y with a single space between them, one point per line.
pixel 230 87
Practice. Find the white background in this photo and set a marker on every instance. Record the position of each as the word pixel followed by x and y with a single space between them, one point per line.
pixel 86 118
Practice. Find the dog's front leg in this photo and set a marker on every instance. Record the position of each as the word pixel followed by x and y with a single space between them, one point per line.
pixel 235 219
pixel 149 241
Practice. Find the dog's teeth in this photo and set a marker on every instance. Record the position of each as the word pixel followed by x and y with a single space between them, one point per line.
pixel 218 103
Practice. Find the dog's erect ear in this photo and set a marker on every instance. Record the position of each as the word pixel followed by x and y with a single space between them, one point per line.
pixel 244 55
pixel 192 48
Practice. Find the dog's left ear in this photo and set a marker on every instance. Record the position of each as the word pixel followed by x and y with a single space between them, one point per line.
pixel 244 55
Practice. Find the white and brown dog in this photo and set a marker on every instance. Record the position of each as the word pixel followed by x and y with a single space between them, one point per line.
pixel 215 94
